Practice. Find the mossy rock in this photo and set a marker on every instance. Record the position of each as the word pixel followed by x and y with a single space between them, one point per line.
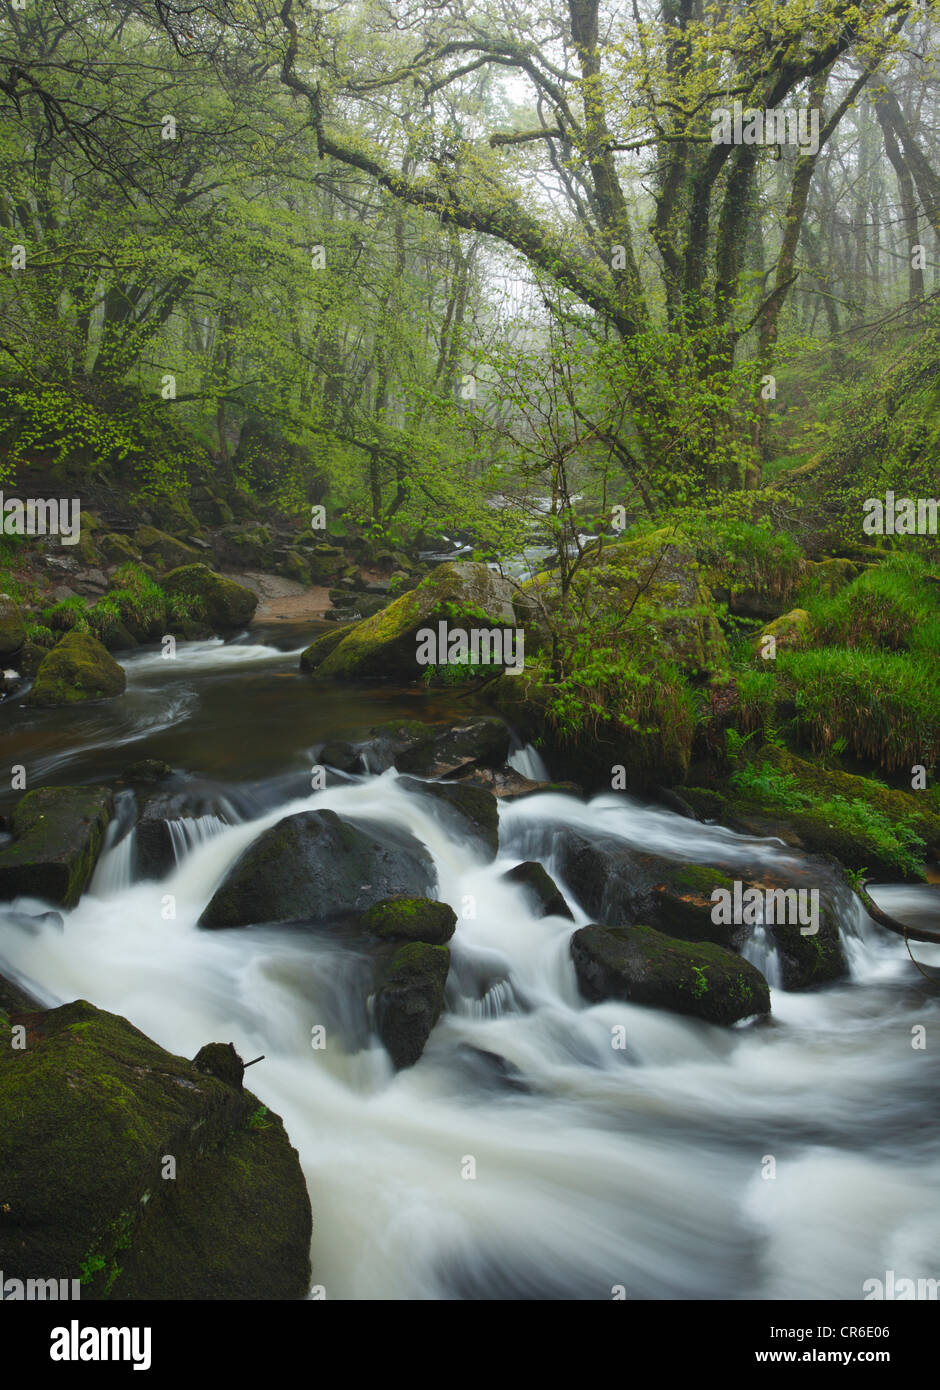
pixel 620 886
pixel 321 646
pixel 316 867
pixel 219 601
pixel 78 668
pixel 828 577
pixel 472 811
pixel 165 551
pixel 384 646
pixel 327 563
pixel 545 897
pixel 118 549
pixel 410 919
pixel 58 833
pixel 409 999
pixel 643 966
pixel 791 631
pixel 92 1108
pixel 12 628
pixel 244 545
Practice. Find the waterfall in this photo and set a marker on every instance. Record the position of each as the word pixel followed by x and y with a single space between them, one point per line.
pixel 596 1164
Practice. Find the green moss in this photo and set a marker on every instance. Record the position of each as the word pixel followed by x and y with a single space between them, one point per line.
pixel 77 669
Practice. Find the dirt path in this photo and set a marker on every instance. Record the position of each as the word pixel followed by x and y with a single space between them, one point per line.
pixel 283 600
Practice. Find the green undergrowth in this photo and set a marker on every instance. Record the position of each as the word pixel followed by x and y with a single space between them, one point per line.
pixel 893 841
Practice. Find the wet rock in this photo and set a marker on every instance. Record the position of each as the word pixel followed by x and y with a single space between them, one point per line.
pixel 644 966
pixel 473 812
pixel 319 868
pixel 621 886
pixel 78 668
pixel 427 750
pixel 343 756
pixel 92 1110
pixel 409 999
pixel 543 892
pixel 147 770
pixel 58 834
pixel 410 919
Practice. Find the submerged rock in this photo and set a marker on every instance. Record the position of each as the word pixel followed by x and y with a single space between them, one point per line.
pixel 318 868
pixel 94 1112
pixel 409 998
pixel 78 668
pixel 58 833
pixel 644 966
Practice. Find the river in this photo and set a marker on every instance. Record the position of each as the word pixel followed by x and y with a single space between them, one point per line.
pixel 525 1156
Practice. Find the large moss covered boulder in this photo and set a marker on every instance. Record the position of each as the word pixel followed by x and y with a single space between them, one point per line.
pixel 318 868
pixel 409 998
pixel 215 599
pixel 314 655
pixel 139 1174
pixel 78 668
pixel 12 628
pixel 384 647
pixel 643 966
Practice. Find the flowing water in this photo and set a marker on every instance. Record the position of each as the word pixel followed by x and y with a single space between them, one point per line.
pixel 528 1154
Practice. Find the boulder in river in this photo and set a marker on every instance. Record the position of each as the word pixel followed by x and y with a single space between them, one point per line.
pixel 409 998
pixel 644 966
pixel 219 601
pixel 320 648
pixel 384 647
pixel 620 885
pixel 58 833
pixel 316 867
pixel 410 919
pixel 543 893
pixel 431 750
pixel 93 1112
pixel 78 668
pixel 472 811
